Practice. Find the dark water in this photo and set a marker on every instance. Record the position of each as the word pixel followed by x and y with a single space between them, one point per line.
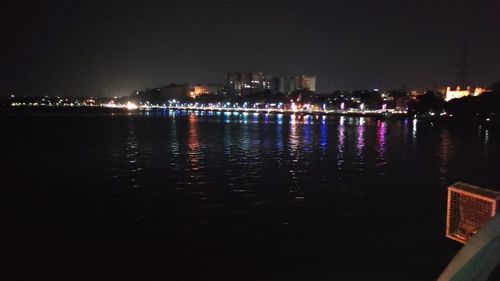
pixel 199 196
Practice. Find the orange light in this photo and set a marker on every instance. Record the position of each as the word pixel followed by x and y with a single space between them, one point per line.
pixel 469 208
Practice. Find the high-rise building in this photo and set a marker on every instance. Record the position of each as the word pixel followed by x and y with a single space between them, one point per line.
pixel 306 82
pixel 275 85
pixel 287 84
pixel 239 83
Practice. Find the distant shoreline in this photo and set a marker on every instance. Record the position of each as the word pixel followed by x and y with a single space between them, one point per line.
pixel 48 110
pixel 367 113
pixel 290 112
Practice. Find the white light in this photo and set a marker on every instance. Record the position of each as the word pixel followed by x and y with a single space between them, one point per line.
pixel 131 106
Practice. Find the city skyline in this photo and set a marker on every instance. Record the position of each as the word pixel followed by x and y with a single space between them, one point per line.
pixel 250 140
pixel 111 49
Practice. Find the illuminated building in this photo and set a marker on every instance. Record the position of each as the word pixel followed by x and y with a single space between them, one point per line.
pixel 469 208
pixel 287 83
pixel 306 82
pixel 239 83
pixel 459 93
pixel 198 90
pixel 414 95
pixel 479 91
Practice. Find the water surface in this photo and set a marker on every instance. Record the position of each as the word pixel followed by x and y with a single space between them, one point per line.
pixel 180 195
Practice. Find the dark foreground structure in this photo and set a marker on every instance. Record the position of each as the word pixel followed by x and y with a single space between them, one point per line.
pixel 472 219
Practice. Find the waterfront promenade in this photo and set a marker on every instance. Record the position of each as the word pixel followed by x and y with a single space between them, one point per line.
pixel 351 112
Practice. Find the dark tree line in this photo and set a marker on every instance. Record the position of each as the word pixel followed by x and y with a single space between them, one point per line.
pixel 487 104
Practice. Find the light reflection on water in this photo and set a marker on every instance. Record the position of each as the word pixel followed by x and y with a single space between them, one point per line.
pixel 174 144
pixel 306 181
pixel 484 135
pixel 414 129
pixel 308 146
pixel 132 151
pixel 293 141
pixel 445 154
pixel 279 118
pixel 341 145
pixel 323 140
pixel 245 152
pixel 360 144
pixel 193 144
pixel 381 145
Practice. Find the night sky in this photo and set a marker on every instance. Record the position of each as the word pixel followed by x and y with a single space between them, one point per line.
pixel 113 48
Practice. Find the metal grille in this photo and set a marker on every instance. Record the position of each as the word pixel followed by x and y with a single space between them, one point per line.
pixel 469 208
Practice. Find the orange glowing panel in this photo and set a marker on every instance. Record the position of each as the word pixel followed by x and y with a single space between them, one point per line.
pixel 469 208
